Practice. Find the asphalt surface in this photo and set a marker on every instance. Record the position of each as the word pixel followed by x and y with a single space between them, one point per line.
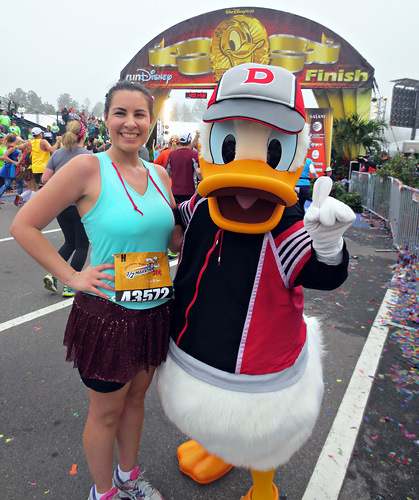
pixel 44 405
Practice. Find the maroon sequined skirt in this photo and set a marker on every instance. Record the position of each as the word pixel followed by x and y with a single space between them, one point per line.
pixel 109 342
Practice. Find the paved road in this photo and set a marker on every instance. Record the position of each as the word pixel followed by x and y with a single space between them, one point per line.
pixel 44 405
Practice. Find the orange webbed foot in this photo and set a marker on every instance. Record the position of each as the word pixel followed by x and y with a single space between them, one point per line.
pixel 249 495
pixel 201 466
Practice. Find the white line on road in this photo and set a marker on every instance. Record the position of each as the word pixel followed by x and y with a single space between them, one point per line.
pixel 43 232
pixel 46 310
pixel 329 473
pixel 36 314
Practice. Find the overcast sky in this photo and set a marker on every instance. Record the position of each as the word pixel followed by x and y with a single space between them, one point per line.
pixel 80 47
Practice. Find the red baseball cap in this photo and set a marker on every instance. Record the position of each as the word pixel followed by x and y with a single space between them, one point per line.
pixel 266 94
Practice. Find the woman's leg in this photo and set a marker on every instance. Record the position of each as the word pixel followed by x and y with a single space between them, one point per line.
pixel 81 242
pixel 7 182
pixel 100 432
pixel 131 422
pixel 65 222
pixel 19 183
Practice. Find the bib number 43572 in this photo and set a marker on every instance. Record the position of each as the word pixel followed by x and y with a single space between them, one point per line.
pixel 144 295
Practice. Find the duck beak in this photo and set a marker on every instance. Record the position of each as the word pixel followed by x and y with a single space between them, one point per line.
pixel 247 196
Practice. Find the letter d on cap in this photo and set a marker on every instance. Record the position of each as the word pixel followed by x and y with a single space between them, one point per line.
pixel 262 76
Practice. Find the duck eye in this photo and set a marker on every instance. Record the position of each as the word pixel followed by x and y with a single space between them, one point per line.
pixel 234 40
pixel 281 150
pixel 223 142
pixel 247 33
pixel 274 153
pixel 228 149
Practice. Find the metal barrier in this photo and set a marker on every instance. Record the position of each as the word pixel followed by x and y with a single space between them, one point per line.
pixel 392 201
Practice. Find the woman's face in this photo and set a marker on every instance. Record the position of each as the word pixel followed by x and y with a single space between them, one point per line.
pixel 129 120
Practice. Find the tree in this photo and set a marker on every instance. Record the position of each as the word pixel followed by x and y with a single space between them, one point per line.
pixel 98 109
pixel 86 105
pixel 353 136
pixel 19 96
pixel 64 100
pixel 401 167
pixel 174 112
pixel 48 109
pixel 34 102
pixel 185 114
pixel 198 109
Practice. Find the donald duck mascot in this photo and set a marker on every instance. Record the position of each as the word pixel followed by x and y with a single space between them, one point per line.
pixel 243 378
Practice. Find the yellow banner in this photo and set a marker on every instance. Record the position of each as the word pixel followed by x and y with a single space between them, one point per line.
pixel 193 56
pixel 292 53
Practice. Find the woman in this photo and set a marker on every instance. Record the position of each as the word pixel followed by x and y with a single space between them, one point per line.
pixel 10 158
pixel 21 111
pixel 48 135
pixel 126 206
pixel 162 158
pixel 76 242
pixel 303 185
pixel 92 144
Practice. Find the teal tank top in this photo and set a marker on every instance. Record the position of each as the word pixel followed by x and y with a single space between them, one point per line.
pixel 113 226
pixel 304 179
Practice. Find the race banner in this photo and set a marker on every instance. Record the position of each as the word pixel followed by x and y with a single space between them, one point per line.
pixel 320 121
pixel 196 52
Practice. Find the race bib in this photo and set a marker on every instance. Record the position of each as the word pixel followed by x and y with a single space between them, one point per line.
pixel 142 277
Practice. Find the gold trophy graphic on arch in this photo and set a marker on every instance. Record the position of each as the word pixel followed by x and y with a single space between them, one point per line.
pixel 235 40
pixel 240 39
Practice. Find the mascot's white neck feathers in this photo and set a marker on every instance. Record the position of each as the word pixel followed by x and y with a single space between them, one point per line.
pixel 251 142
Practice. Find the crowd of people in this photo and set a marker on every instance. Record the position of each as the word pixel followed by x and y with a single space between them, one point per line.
pixel 96 130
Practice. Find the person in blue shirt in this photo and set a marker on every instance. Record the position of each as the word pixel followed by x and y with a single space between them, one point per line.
pixel 303 185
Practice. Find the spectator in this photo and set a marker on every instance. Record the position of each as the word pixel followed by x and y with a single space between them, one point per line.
pixel 5 121
pixel 183 168
pixel 64 114
pixel 48 135
pixel 12 108
pixel 329 173
pixel 21 111
pixel 55 129
pixel 14 129
pixel 384 157
pixel 91 129
pixel 367 164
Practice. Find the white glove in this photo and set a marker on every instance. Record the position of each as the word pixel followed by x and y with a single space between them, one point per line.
pixel 325 221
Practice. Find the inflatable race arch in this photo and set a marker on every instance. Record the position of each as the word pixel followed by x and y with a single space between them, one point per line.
pixel 195 53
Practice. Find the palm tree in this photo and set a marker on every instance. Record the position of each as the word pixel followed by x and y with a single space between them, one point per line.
pixel 353 136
